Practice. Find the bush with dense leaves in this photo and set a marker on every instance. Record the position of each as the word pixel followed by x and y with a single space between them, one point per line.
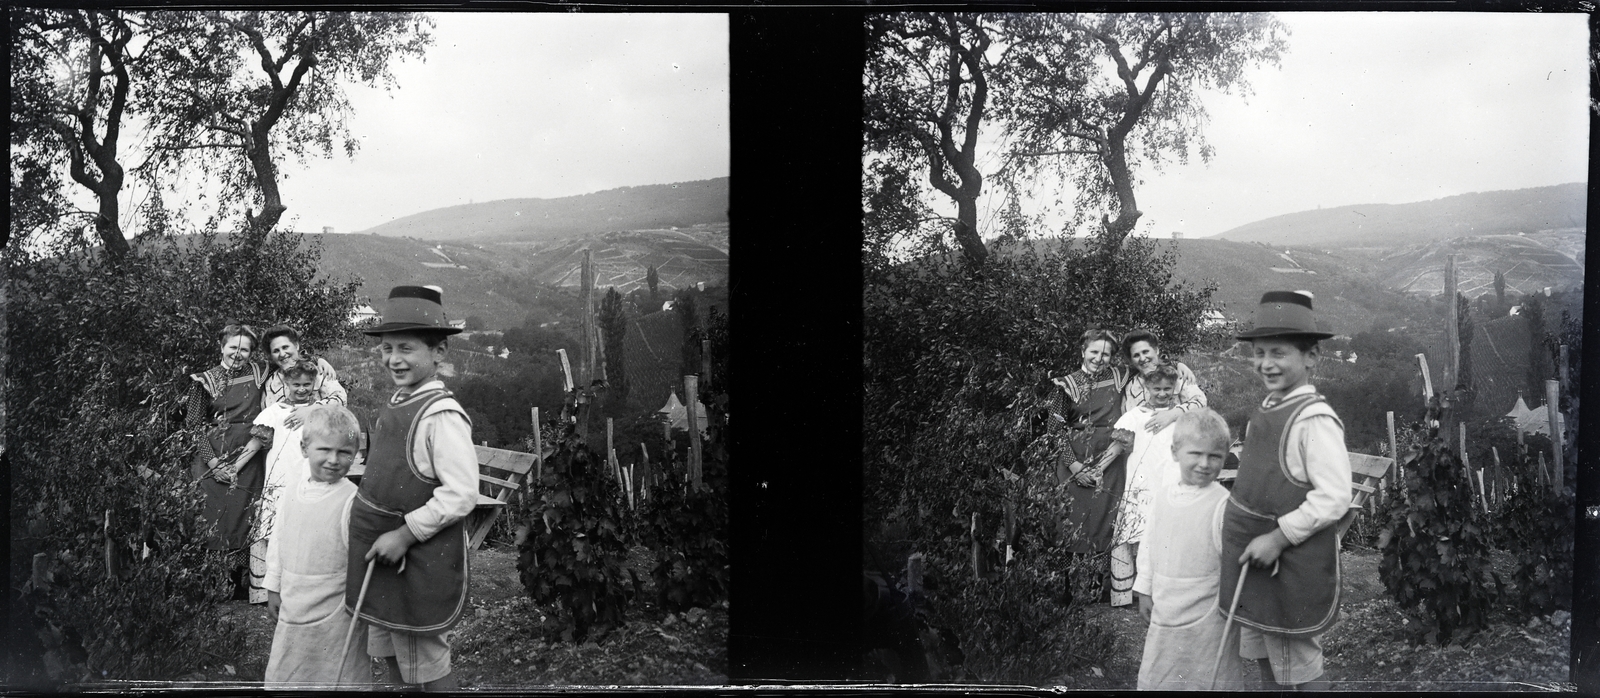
pixel 687 526
pixel 1435 544
pixel 956 367
pixel 574 547
pixel 99 357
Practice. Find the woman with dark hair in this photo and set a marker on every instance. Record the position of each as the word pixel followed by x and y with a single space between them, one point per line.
pixel 223 402
pixel 1084 407
pixel 1142 351
pixel 282 345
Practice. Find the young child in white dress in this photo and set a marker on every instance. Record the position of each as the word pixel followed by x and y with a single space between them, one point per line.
pixel 285 462
pixel 1150 470
pixel 307 561
pixel 1180 567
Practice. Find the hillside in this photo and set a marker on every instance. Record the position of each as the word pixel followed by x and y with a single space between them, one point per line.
pixel 655 206
pixel 1348 297
pixel 504 283
pixel 1554 208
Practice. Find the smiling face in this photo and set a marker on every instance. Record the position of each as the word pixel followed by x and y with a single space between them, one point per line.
pixel 1144 356
pixel 236 350
pixel 328 456
pixel 284 351
pixel 1160 393
pixel 1199 459
pixel 1281 365
pixel 1097 355
pixel 301 388
pixel 411 362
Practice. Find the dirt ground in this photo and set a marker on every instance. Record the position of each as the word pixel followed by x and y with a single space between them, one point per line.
pixel 1371 650
pixel 502 641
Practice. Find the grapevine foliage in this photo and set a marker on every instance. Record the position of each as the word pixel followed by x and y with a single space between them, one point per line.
pixel 1535 524
pixel 1436 545
pixel 688 527
pixel 576 549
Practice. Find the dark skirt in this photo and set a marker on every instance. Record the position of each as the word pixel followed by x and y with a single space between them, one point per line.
pixel 1092 513
pixel 228 506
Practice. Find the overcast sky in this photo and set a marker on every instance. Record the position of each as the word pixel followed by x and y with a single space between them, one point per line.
pixel 511 105
pixel 1387 108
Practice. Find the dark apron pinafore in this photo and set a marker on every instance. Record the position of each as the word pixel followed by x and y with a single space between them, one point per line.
pixel 428 597
pixel 1303 599
pixel 1093 511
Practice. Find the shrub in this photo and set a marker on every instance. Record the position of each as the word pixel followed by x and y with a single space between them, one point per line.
pixel 1435 544
pixel 1535 524
pixel 97 375
pixel 956 369
pixel 574 552
pixel 687 527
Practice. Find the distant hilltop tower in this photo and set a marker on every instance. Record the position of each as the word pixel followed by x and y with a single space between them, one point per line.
pixel 327 230
pixel 1177 234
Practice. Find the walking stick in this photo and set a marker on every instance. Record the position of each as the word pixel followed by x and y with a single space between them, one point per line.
pixel 354 620
pixel 1217 665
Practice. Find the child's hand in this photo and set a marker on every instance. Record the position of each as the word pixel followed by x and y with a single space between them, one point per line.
pixel 273 602
pixel 1145 604
pixel 1265 549
pixel 392 546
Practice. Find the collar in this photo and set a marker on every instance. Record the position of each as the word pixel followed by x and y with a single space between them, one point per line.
pixel 1269 401
pixel 432 384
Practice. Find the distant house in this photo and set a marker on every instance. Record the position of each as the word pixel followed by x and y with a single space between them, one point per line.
pixel 363 313
pixel 1214 318
pixel 459 324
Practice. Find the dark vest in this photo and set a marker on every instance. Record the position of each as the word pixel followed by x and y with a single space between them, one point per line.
pixel 1303 598
pixel 428 597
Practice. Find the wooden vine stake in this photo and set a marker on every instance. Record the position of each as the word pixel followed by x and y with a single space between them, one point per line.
pixel 1427 381
pixel 705 363
pixel 645 452
pixel 1552 401
pixel 1394 452
pixel 1466 467
pixel 692 402
pixel 566 370
pixel 538 447
pixel 1498 495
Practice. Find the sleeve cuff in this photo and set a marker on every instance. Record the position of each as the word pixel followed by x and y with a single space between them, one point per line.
pixel 416 530
pixel 1286 525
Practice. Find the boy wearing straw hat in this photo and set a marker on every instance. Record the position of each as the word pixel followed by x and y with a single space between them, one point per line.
pixel 306 559
pixel 1293 488
pixel 408 546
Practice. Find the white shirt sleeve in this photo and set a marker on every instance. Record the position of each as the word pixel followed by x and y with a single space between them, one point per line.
pixel 444 452
pixel 1316 454
pixel 271 582
pixel 329 390
pixel 1190 396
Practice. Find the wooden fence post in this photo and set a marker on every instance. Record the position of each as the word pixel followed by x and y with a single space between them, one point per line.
pixel 1452 327
pixel 692 402
pixel 1552 401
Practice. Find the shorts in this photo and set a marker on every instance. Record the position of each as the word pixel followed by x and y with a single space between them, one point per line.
pixel 1295 660
pixel 422 658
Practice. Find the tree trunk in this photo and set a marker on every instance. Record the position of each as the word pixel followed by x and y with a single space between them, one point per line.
pixel 105 224
pixel 1116 230
pixel 272 207
pixel 966 232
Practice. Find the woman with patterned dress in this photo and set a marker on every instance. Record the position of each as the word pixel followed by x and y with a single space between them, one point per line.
pixel 1084 408
pixel 222 404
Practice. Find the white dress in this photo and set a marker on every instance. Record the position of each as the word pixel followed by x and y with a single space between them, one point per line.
pixel 308 564
pixel 286 463
pixel 1179 568
pixel 1150 470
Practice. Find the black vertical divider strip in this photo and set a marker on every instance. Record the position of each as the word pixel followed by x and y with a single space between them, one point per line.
pixel 795 295
pixel 1585 657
